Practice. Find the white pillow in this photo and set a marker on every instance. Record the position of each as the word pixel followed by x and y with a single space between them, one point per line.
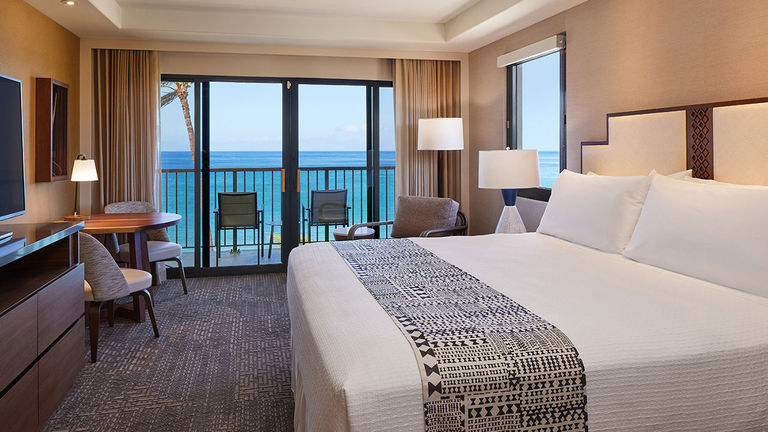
pixel 595 211
pixel 712 232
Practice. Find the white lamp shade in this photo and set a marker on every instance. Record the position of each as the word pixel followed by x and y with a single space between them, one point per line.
pixel 84 170
pixel 508 169
pixel 441 134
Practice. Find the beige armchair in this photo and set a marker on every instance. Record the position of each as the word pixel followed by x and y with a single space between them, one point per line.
pixel 159 245
pixel 422 217
pixel 105 282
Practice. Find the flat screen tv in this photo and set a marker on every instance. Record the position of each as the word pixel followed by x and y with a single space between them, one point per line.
pixel 12 201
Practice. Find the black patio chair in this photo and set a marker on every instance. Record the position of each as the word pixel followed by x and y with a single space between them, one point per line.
pixel 327 208
pixel 238 210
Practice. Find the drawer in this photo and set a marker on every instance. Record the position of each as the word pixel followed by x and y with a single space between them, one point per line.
pixel 18 407
pixel 59 305
pixel 18 340
pixel 59 367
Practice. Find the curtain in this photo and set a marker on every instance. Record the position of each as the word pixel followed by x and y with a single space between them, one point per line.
pixel 126 112
pixel 425 89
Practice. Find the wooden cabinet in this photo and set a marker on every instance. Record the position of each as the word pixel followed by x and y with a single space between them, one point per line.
pixel 58 369
pixel 42 330
pixel 18 407
pixel 17 328
pixel 64 295
pixel 51 130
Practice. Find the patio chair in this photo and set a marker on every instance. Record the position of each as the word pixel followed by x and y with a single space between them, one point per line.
pixel 238 210
pixel 422 217
pixel 327 208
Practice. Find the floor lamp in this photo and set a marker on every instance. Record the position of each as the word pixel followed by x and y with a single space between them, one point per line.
pixel 508 170
pixel 444 133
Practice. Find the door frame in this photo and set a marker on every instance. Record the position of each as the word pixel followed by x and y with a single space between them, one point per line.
pixel 290 199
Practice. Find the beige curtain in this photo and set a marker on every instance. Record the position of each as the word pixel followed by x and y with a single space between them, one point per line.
pixel 126 126
pixel 425 89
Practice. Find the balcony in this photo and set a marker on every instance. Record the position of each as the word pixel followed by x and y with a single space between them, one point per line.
pixel 252 245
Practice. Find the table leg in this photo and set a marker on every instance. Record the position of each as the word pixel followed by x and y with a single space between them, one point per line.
pixel 139 259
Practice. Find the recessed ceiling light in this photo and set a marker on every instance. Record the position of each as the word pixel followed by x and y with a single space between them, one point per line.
pixel 68 2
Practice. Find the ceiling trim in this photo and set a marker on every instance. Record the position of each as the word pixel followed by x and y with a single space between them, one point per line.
pixel 470 28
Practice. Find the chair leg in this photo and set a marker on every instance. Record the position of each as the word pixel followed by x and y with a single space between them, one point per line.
pixel 111 313
pixel 271 240
pixel 148 302
pixel 94 309
pixel 182 276
pixel 218 246
pixel 155 273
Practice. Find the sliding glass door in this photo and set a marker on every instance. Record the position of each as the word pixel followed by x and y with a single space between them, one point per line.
pixel 248 163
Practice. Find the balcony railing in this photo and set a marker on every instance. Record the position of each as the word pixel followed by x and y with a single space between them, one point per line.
pixel 178 197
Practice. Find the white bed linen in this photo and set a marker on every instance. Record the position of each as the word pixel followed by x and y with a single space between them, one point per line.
pixel 662 351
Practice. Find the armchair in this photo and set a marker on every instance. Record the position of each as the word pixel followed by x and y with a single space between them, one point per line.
pixel 422 217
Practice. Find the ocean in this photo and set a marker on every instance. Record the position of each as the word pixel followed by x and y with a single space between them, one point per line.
pixel 235 172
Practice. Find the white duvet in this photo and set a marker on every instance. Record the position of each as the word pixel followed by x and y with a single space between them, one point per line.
pixel 662 351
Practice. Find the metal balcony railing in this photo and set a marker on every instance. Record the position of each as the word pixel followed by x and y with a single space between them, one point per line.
pixel 178 197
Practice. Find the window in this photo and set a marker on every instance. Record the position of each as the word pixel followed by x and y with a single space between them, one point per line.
pixel 536 113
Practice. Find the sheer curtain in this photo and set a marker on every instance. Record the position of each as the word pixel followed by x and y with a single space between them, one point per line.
pixel 126 126
pixel 425 89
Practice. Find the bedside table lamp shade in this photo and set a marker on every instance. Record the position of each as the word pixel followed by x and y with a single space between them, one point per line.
pixel 84 170
pixel 445 133
pixel 508 170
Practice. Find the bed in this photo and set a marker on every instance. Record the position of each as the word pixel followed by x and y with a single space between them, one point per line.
pixel 661 351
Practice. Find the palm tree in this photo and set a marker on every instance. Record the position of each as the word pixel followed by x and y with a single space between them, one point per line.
pixel 180 91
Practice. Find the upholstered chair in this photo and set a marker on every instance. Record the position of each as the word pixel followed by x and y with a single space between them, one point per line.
pixel 105 282
pixel 159 245
pixel 422 217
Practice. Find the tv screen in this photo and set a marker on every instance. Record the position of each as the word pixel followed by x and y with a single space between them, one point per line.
pixel 11 149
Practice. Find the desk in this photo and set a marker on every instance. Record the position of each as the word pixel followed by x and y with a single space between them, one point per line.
pixel 135 225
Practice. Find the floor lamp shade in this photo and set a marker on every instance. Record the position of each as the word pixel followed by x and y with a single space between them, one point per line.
pixel 508 169
pixel 446 133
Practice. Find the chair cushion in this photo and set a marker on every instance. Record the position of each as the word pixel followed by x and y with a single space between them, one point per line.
pixel 158 251
pixel 415 215
pixel 137 280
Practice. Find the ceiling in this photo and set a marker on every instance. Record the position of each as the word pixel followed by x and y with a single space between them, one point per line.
pixel 440 25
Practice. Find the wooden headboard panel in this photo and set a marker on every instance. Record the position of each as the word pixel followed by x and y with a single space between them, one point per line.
pixel 726 141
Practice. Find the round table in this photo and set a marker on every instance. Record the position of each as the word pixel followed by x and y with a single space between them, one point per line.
pixel 340 234
pixel 135 225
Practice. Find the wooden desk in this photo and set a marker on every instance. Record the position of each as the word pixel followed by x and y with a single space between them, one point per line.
pixel 135 225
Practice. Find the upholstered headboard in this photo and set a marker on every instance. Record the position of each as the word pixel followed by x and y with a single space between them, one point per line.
pixel 725 141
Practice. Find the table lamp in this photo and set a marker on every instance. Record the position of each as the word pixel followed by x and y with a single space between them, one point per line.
pixel 444 133
pixel 83 170
pixel 509 170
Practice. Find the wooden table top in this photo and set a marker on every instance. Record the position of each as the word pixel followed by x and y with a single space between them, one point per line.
pixel 128 222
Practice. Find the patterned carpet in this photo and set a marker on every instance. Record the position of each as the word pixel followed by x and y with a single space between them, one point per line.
pixel 222 363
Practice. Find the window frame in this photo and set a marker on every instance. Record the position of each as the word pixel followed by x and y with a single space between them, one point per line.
pixel 513 134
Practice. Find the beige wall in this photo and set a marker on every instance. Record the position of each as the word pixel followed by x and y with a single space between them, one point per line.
pixel 624 55
pixel 271 65
pixel 31 46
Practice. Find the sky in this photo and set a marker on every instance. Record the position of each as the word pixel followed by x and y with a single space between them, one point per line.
pixel 248 117
pixel 541 102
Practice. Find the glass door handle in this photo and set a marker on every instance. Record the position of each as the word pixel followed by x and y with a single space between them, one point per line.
pixel 282 180
pixel 298 180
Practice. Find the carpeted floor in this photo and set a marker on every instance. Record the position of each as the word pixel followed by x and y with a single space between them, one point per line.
pixel 222 363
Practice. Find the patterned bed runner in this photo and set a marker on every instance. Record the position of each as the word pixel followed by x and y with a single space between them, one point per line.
pixel 487 364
